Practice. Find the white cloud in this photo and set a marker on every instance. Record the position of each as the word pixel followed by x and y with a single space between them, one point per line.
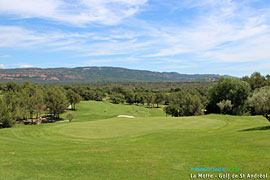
pixel 2 66
pixel 174 50
pixel 170 67
pixel 17 36
pixel 24 66
pixel 223 31
pixel 251 50
pixel 30 8
pixel 109 62
pixel 88 44
pixel 77 12
pixel 227 32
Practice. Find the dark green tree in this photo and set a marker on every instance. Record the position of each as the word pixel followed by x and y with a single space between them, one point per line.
pixel 141 98
pixel 184 104
pixel 11 86
pixel 33 97
pixel 39 99
pixel 99 95
pixel 150 98
pixel 256 80
pixel 232 89
pixel 73 98
pixel 129 96
pixel 159 98
pixel 6 117
pixel 56 100
pixel 117 98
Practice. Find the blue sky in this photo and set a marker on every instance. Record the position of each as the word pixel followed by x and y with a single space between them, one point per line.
pixel 186 36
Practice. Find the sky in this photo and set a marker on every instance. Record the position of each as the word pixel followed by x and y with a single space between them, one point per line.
pixel 227 37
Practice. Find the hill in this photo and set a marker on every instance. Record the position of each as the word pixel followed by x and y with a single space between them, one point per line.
pixel 96 74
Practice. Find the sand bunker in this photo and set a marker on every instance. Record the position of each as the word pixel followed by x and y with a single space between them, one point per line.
pixel 63 121
pixel 125 116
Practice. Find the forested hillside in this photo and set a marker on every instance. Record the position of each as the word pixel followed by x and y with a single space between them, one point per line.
pixel 96 74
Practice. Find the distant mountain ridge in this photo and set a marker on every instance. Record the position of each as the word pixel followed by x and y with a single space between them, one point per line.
pixel 97 74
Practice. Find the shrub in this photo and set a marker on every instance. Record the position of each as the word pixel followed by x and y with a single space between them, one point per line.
pixel 70 116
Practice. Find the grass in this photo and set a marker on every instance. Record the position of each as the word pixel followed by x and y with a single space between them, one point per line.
pixel 93 110
pixel 97 145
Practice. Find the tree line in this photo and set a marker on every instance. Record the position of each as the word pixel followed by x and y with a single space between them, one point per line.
pixel 249 95
pixel 28 101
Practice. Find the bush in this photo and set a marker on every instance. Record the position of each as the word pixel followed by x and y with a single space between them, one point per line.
pixel 70 116
pixel 225 106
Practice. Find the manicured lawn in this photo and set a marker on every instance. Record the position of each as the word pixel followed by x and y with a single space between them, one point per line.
pixel 93 110
pixel 97 145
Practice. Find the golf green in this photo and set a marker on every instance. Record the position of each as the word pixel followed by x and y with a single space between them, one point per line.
pixel 97 145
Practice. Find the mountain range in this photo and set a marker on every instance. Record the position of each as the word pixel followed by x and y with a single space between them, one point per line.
pixel 97 74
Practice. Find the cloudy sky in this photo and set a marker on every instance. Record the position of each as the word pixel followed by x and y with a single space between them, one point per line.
pixel 186 36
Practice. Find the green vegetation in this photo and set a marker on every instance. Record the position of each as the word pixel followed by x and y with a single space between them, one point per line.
pixel 231 89
pixel 256 80
pixel 6 117
pixel 21 102
pixel 94 110
pixel 96 74
pixel 97 145
pixel 260 101
pixel 225 106
pixel 227 96
pixel 73 98
pixel 57 101
pixel 123 133
pixel 184 104
pixel 70 116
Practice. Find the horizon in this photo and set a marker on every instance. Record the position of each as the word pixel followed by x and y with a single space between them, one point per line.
pixel 111 67
pixel 189 37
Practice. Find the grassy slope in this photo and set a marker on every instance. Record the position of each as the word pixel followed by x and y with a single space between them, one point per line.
pixel 97 145
pixel 92 110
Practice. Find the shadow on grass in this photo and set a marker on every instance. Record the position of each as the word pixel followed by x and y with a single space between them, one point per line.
pixel 257 128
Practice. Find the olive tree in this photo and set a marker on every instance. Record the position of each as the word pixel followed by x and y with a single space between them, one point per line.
pixel 260 101
pixel 225 106
pixel 70 116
